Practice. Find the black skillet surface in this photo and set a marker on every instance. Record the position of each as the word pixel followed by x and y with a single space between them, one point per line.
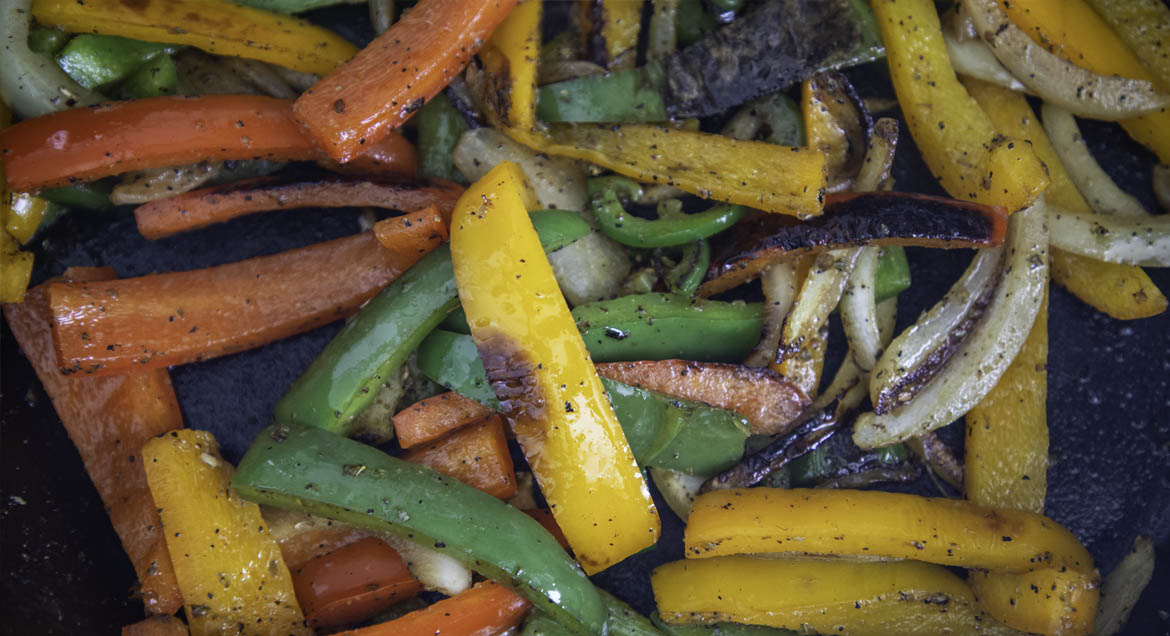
pixel 64 571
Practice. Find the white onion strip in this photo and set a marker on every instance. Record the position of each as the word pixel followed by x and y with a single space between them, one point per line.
pixel 1056 80
pixel 992 345
pixel 859 311
pixel 1123 587
pixel 1161 179
pixel 933 338
pixel 1130 240
pixel 974 58
pixel 1099 190
pixel 779 285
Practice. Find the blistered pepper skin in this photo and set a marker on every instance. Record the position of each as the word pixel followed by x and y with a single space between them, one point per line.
pixel 544 377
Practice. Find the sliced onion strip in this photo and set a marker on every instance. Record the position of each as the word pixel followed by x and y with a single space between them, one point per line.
pixel 1123 587
pixel 32 84
pixel 1099 190
pixel 1130 240
pixel 973 58
pixel 779 284
pixel 859 311
pixel 988 350
pixel 1056 80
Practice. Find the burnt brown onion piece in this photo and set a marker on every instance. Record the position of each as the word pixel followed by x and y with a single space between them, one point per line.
pixel 878 218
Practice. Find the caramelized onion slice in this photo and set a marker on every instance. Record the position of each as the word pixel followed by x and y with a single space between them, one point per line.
pixel 1056 80
pixel 1130 240
pixel 987 351
pixel 851 220
pixel 919 352
pixel 1099 190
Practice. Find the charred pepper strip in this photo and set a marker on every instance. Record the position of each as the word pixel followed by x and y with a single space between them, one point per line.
pixel 970 157
pixel 662 326
pixel 215 26
pixel 509 62
pixel 312 470
pixel 879 218
pixel 681 435
pixel 672 227
pixel 543 375
pixel 840 522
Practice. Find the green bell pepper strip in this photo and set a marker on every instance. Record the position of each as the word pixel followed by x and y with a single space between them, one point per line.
pixel 293 6
pixel 312 470
pixel 96 61
pixel 668 326
pixel 673 227
pixel 439 128
pixel 870 47
pixel 621 620
pixel 893 273
pixel 90 195
pixel 818 464
pixel 345 377
pixel 681 435
pixel 692 22
pixel 718 629
pixel 685 276
pixel 156 78
pixel 782 119
pixel 631 95
pixel 47 41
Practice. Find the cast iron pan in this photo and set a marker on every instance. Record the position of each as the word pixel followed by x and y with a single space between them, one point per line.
pixel 64 571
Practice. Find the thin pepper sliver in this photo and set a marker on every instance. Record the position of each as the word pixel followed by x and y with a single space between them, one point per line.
pixel 82 144
pixel 108 420
pixel 216 26
pixel 386 82
pixel 970 158
pixel 161 320
pixel 543 375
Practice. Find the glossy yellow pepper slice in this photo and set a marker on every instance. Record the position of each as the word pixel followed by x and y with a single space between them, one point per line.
pixel 1072 30
pixel 780 179
pixel 228 564
pixel 15 269
pixel 971 159
pixel 216 26
pixel 823 596
pixel 1124 292
pixel 510 60
pixel 621 21
pixel 881 524
pixel 543 375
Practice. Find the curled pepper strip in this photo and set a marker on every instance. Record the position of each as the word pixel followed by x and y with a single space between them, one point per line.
pixel 971 159
pixel 216 26
pixel 672 228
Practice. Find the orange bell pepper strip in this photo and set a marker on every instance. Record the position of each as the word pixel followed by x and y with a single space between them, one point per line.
pixel 200 208
pixel 228 564
pixel 487 608
pixel 509 61
pixel 539 368
pixel 353 583
pixel 161 320
pixel 879 524
pixel 829 597
pixel 970 157
pixel 386 82
pixel 216 26
pixel 108 420
pixel 476 455
pixel 1124 292
pixel 1072 30
pixel 434 417
pixel 157 626
pixel 81 144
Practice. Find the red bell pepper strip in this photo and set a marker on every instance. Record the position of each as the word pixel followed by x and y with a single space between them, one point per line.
pixel 166 319
pixel 208 206
pixel 108 420
pixel 374 92
pixel 487 608
pixel 353 583
pixel 436 416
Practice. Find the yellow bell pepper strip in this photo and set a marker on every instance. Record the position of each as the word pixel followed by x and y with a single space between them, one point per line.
pixel 15 268
pixel 543 375
pixel 822 596
pixel 882 524
pixel 780 179
pixel 1124 292
pixel 228 564
pixel 617 33
pixel 509 59
pixel 1143 25
pixel 216 26
pixel 20 214
pixel 1070 29
pixel 962 148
